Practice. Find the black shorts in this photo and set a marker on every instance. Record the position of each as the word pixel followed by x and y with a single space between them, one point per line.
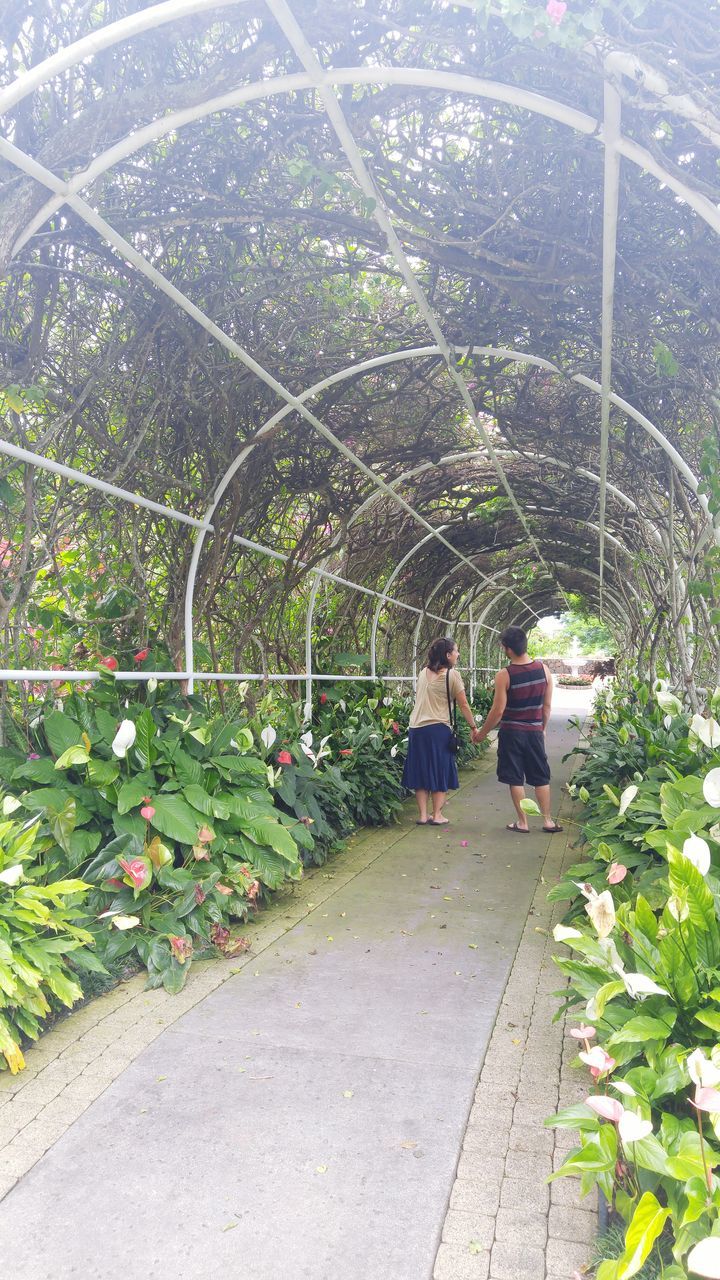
pixel 521 758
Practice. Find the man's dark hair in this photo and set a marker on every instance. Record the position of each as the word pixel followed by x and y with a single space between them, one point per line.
pixel 516 639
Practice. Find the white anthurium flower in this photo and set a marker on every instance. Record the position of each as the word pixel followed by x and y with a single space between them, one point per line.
pixel 667 721
pixel 125 922
pixel 601 910
pixel 124 739
pixel 623 1087
pixel 668 702
pixel 612 955
pixel 342 704
pixel 679 910
pixel 306 739
pixel 563 933
pixel 704 1258
pixel 660 685
pixel 702 1071
pixel 708 731
pixel 626 799
pixel 152 684
pixel 387 701
pixel 11 875
pixel 638 985
pixel 711 788
pixel 268 736
pixel 632 1127
pixel 393 751
pixel 591 1009
pixel 697 851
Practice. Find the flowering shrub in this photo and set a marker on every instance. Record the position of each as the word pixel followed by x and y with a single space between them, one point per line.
pixel 167 813
pixel 644 934
pixel 41 940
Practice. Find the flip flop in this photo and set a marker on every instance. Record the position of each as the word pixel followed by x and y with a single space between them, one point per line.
pixel 419 822
pixel 521 831
pixel 432 823
pixel 551 831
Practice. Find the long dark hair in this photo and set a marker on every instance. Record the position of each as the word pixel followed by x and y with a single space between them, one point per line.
pixel 439 653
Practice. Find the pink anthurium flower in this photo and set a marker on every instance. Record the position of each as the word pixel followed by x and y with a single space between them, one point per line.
pixel 555 10
pixel 707 1099
pixel 598 1061
pixel 147 812
pixel 616 873
pixel 137 870
pixel 284 757
pixel 608 1108
pixel 583 1033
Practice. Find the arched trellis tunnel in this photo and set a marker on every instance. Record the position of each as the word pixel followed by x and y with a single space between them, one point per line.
pixel 459 452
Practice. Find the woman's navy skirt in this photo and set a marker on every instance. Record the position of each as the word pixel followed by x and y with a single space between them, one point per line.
pixel 429 764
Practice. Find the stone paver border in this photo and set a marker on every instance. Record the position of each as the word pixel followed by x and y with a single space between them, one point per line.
pixel 503 1221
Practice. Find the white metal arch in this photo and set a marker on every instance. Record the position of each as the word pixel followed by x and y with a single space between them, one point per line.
pixel 322 80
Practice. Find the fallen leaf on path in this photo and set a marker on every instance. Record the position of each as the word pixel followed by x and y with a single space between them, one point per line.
pixel 321 1168
pixel 348 1093
pixel 447 897
pixel 474 1247
pixel 408 1146
pixel 473 946
pixel 229 1226
pixel 162 1078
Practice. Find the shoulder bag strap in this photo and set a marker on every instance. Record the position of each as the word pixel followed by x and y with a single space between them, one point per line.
pixel 452 704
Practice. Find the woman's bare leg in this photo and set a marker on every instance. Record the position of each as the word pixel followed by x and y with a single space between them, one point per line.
pixel 422 801
pixel 438 800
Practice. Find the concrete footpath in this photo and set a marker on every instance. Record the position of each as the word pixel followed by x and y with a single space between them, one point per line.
pixel 303 1112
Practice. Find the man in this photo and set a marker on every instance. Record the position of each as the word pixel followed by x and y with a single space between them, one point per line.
pixel 521 706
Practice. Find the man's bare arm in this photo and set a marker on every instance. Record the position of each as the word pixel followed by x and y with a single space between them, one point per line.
pixel 547 703
pixel 497 710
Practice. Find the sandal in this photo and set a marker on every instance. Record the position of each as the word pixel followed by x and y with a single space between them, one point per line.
pixel 551 831
pixel 521 831
pixel 420 823
pixel 433 823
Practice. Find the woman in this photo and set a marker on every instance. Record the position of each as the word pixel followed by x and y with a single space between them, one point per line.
pixel 430 766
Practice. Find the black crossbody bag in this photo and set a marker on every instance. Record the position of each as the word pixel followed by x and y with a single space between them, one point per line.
pixel 454 743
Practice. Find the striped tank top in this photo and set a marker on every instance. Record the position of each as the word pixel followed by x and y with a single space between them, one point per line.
pixel 526 695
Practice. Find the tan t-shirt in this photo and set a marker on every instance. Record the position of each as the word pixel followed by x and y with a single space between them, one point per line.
pixel 431 704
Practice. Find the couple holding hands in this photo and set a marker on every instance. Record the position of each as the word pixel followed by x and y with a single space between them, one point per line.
pixel 521 709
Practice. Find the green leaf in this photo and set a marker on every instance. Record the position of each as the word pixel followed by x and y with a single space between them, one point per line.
pixel 265 831
pixel 175 818
pixel 102 773
pixel 238 765
pixel 146 733
pixel 709 1018
pixel 606 993
pixel 687 1162
pixel 641 1028
pixel 62 823
pixel 63 987
pixel 647 1223
pixel 650 1154
pixel 72 756
pixel 81 845
pixel 61 732
pixel 37 771
pixel 133 792
pixel 272 869
pixel 577 1116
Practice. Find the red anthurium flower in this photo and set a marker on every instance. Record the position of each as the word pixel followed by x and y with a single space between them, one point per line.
pixel 395 726
pixel 181 947
pixel 323 697
pixel 346 751
pixel 141 656
pixel 219 935
pixel 136 869
pixel 110 663
pixel 284 757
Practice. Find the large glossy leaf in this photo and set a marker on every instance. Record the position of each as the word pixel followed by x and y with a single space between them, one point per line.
pixel 175 818
pixel 648 1221
pixel 73 756
pixel 61 732
pixel 265 831
pixel 641 1028
pixel 145 735
pixel 132 793
pixel 36 771
pixel 272 869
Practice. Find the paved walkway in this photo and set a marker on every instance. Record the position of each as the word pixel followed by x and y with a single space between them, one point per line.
pixel 300 1112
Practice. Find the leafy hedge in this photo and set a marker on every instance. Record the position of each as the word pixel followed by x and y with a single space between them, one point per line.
pixel 644 975
pixel 156 827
